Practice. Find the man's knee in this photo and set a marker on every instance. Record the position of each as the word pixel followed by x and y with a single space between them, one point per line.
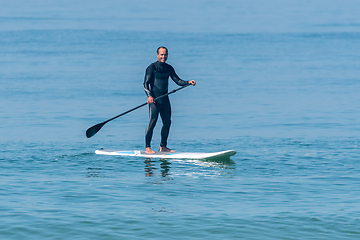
pixel 167 123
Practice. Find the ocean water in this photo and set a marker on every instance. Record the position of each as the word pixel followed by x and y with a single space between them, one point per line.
pixel 277 81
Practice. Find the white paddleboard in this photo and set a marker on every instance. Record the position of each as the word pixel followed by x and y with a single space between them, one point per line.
pixel 168 155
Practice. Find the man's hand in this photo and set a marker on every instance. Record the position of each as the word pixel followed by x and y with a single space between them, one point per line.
pixel 192 82
pixel 150 99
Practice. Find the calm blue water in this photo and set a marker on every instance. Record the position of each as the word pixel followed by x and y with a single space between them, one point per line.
pixel 277 81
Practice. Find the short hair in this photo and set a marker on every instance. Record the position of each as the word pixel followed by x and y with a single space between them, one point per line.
pixel 160 48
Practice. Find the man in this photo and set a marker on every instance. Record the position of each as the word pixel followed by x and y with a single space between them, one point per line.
pixel 156 84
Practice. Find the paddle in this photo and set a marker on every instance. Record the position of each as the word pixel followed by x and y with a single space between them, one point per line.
pixel 94 129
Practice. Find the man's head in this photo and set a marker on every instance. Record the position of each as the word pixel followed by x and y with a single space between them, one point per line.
pixel 162 54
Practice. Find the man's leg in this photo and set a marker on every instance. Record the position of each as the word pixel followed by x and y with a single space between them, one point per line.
pixel 153 116
pixel 165 114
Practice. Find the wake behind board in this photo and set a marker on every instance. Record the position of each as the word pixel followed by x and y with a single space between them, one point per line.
pixel 168 155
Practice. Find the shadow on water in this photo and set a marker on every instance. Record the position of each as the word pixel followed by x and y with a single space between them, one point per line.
pixel 221 161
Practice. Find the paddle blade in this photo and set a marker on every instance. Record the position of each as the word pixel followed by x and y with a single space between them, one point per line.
pixel 94 129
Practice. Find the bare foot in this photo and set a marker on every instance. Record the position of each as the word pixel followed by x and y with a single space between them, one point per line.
pixel 149 151
pixel 165 149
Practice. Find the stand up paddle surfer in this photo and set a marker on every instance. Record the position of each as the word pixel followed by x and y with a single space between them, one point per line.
pixel 156 84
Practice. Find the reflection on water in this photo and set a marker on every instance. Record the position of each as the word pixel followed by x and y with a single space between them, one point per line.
pixel 93 172
pixel 222 166
pixel 150 167
pixel 164 168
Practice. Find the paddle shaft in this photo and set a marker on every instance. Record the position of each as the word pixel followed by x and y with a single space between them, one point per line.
pixel 94 129
pixel 175 90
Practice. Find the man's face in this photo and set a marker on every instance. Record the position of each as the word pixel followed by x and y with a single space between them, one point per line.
pixel 162 55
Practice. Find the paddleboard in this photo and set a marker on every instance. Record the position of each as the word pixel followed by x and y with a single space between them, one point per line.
pixel 168 155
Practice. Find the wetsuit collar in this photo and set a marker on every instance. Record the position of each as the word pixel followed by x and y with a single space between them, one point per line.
pixel 162 63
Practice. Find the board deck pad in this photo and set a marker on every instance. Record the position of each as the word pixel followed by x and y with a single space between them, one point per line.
pixel 168 155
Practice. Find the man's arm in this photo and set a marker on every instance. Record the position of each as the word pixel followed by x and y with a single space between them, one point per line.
pixel 148 82
pixel 177 79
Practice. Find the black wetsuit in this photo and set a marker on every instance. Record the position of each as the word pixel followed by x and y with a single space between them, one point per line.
pixel 156 84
